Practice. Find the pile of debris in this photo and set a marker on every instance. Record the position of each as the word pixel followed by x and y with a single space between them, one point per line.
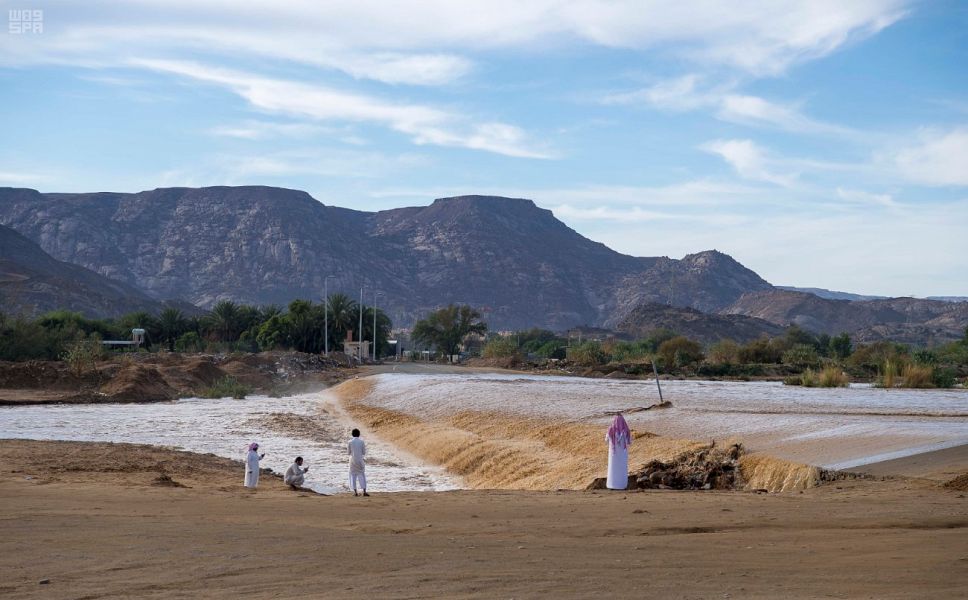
pixel 710 468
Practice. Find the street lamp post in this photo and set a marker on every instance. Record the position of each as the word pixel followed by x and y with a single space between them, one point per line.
pixel 326 312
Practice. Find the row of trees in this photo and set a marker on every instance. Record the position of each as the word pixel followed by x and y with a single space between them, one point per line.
pixel 228 326
pixel 795 352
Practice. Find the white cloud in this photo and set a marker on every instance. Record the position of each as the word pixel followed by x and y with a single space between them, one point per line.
pixel 692 92
pixel 425 125
pixel 422 41
pixel 261 130
pixel 21 178
pixel 753 110
pixel 749 161
pixel 861 197
pixel 939 159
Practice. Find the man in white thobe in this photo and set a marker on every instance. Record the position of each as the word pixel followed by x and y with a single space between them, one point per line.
pixel 357 450
pixel 252 466
pixel 618 438
pixel 296 474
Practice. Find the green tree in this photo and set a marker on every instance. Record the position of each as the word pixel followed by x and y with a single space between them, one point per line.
pixel 801 355
pixel 724 352
pixel 343 317
pixel 680 352
pixel 171 325
pixel 445 329
pixel 840 346
pixel 225 321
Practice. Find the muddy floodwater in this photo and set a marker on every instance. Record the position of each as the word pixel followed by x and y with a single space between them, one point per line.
pixel 307 425
pixel 830 427
pixel 834 428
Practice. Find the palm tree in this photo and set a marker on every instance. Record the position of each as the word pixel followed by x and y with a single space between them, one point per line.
pixel 343 312
pixel 224 321
pixel 171 324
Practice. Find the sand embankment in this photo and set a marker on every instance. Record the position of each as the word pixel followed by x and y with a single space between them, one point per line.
pixel 99 521
pixel 162 376
pixel 495 450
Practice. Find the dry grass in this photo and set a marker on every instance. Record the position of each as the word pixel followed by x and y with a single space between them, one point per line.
pixel 918 376
pixel 828 377
pixel 889 376
pixel 833 377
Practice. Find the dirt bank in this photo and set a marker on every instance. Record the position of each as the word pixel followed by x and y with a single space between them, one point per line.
pixel 99 520
pixel 164 376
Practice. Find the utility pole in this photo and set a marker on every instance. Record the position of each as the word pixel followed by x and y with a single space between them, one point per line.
pixel 359 338
pixel 375 294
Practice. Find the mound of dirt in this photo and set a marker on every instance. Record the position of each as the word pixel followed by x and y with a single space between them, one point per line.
pixel 710 468
pixel 959 483
pixel 50 375
pixel 163 480
pixel 192 376
pixel 138 383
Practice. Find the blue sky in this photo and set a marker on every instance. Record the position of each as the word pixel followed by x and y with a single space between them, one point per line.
pixel 820 143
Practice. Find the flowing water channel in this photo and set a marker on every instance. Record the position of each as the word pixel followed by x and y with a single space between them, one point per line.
pixel 834 428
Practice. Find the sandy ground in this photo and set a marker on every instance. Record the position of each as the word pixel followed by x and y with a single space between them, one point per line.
pixel 106 521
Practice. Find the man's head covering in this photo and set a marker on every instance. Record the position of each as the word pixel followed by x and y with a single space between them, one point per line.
pixel 619 435
pixel 253 446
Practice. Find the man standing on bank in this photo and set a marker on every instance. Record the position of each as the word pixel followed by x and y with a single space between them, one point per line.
pixel 357 450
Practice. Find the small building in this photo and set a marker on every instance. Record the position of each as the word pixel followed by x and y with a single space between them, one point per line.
pixel 137 340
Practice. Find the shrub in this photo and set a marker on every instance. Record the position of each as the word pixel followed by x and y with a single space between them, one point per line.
pixel 679 352
pixel 227 387
pixel 502 347
pixel 918 376
pixel 762 350
pixel 888 377
pixel 82 355
pixel 587 354
pixel 833 377
pixel 801 355
pixel 189 342
pixel 944 377
pixel 552 349
pixel 724 352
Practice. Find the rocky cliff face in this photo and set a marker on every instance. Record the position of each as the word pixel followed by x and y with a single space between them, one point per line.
pixel 908 320
pixel 703 327
pixel 269 245
pixel 32 282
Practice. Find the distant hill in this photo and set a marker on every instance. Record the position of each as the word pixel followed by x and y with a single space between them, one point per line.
pixel 32 282
pixel 909 320
pixel 829 294
pixel 264 245
pixel 696 325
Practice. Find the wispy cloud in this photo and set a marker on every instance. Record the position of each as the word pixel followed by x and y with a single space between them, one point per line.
pixel 423 42
pixel 939 158
pixel 749 160
pixel 424 124
pixel 694 92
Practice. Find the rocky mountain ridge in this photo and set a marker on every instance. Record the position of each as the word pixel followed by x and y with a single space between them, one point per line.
pixel 908 320
pixel 262 245
pixel 32 282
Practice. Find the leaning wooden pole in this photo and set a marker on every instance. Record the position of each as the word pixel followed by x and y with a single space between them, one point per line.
pixel 656 371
